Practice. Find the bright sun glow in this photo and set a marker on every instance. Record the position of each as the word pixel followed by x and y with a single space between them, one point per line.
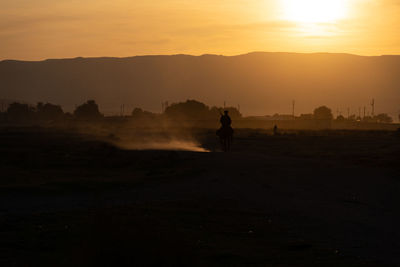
pixel 314 11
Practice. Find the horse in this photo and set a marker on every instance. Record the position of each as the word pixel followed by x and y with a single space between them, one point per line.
pixel 225 135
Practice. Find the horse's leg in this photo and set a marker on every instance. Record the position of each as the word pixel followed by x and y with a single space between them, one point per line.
pixel 229 142
pixel 225 144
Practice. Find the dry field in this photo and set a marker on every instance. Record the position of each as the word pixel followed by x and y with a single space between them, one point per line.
pixel 322 198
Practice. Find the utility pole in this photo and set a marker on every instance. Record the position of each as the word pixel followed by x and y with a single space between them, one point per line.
pixel 373 107
pixel 293 108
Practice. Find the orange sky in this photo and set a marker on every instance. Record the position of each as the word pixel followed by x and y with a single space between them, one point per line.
pixel 40 29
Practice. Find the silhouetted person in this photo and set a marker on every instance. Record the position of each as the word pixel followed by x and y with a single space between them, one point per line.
pixel 225 120
pixel 225 133
pixel 275 130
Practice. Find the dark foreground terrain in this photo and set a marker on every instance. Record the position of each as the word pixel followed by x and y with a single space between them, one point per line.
pixel 299 199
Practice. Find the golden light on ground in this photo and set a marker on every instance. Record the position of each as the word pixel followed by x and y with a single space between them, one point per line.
pixel 314 11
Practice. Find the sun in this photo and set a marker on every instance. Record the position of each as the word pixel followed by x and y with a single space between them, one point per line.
pixel 314 11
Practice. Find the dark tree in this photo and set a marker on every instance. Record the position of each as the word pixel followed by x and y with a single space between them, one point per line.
pixel 340 118
pixel 323 113
pixel 88 110
pixel 139 113
pixel 20 112
pixel 191 109
pixel 234 113
pixel 48 111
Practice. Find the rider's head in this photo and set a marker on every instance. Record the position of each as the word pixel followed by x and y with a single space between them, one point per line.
pixel 226 112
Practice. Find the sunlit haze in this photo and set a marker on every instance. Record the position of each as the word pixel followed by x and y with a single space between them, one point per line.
pixel 40 29
pixel 314 11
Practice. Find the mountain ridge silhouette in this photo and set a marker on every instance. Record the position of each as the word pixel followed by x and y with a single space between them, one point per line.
pixel 261 82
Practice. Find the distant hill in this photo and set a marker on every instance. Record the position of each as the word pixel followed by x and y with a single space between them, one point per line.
pixel 262 83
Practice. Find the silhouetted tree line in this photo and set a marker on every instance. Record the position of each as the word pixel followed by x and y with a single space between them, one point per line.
pixel 380 118
pixel 192 109
pixel 325 113
pixel 189 110
pixel 47 112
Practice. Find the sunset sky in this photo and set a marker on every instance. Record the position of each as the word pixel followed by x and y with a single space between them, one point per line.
pixel 40 29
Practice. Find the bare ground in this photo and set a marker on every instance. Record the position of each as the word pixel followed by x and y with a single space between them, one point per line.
pixel 299 199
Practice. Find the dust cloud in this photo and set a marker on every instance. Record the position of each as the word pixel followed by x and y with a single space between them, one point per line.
pixel 144 135
pixel 177 145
